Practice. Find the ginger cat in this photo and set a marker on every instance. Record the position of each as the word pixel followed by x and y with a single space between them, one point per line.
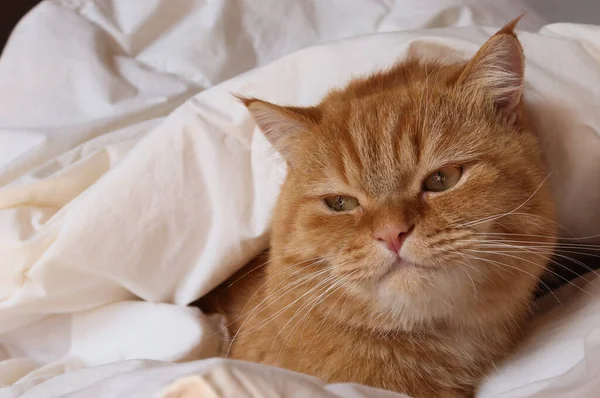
pixel 393 260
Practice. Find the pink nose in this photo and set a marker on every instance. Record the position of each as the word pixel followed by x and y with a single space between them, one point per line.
pixel 393 235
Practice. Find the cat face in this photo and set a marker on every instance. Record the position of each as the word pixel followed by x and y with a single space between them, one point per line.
pixel 418 183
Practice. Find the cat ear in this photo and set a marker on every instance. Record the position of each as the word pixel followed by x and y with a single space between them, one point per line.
pixel 282 125
pixel 497 70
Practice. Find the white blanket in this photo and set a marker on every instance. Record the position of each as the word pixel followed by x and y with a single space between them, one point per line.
pixel 114 216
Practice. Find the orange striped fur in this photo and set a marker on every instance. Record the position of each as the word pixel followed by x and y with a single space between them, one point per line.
pixel 328 301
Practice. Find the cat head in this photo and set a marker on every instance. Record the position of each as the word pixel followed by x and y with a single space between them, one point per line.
pixel 420 183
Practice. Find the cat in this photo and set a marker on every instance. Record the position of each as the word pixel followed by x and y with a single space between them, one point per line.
pixel 399 254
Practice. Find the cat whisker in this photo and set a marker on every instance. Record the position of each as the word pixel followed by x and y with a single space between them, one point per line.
pixel 534 263
pixel 548 256
pixel 304 280
pixel 544 250
pixel 544 218
pixel 502 265
pixel 290 270
pixel 589 269
pixel 498 216
pixel 346 292
pixel 330 280
pixel 265 263
pixel 337 285
pixel 274 296
pixel 537 236
pixel 242 316
pixel 259 307
pixel 470 278
pixel 580 253
pixel 541 244
pixel 474 268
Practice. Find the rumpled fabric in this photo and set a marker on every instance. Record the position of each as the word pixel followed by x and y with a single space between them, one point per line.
pixel 132 182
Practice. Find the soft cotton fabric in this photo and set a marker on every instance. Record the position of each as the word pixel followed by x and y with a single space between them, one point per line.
pixel 126 192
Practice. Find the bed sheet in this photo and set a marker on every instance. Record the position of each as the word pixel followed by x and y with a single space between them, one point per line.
pixel 122 199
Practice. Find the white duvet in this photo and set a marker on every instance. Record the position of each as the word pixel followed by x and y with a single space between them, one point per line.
pixel 127 192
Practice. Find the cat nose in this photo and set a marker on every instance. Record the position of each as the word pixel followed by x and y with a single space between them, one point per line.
pixel 392 235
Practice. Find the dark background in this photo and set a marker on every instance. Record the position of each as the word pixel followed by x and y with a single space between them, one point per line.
pixel 11 11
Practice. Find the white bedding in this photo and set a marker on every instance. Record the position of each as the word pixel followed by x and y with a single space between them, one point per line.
pixel 122 201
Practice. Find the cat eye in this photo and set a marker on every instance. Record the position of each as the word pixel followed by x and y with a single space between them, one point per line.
pixel 442 179
pixel 341 203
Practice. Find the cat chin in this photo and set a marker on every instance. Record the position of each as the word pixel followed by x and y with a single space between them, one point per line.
pixel 407 309
pixel 407 279
pixel 413 294
pixel 401 265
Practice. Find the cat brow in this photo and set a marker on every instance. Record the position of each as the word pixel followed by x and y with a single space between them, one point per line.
pixel 331 187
